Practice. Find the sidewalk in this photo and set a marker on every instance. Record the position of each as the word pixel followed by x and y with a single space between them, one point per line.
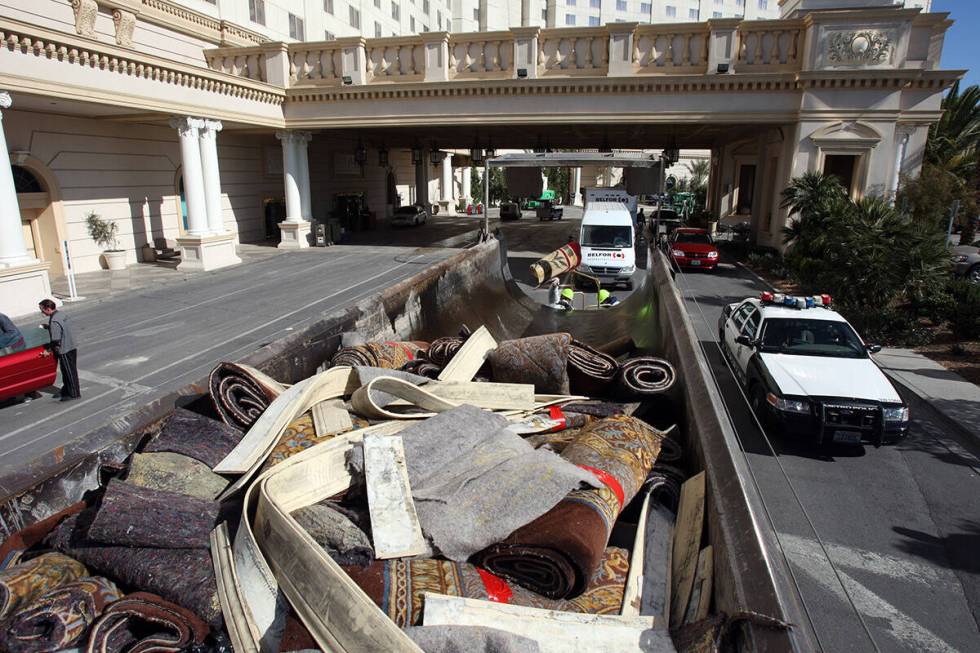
pixel 954 397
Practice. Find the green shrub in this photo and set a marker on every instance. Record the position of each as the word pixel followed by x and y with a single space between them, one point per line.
pixel 102 231
pixel 963 310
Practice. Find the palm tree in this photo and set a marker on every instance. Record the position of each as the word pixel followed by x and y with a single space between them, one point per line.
pixel 699 169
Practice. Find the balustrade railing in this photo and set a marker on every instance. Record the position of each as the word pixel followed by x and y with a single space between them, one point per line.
pixel 671 49
pixel 573 51
pixel 395 59
pixel 770 46
pixel 315 63
pixel 240 62
pixel 481 55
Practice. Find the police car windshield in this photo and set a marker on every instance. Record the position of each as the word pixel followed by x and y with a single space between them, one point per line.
pixel 606 236
pixel 804 337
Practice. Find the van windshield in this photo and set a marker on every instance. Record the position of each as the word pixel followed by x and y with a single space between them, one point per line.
pixel 606 236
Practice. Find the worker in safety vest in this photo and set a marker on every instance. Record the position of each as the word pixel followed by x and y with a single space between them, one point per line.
pixel 606 300
pixel 567 295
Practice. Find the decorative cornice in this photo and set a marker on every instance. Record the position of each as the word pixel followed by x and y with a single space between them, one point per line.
pixel 5 101
pixel 25 39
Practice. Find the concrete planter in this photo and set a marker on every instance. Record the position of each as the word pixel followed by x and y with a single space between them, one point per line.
pixel 115 259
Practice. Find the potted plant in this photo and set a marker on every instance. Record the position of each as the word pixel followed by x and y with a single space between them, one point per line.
pixel 104 233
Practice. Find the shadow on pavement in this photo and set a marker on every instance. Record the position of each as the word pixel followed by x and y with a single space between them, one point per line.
pixel 958 551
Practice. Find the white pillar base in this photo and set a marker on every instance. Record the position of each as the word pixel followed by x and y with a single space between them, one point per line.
pixel 294 235
pixel 22 287
pixel 209 252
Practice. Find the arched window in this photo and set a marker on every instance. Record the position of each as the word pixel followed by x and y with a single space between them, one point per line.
pixel 25 181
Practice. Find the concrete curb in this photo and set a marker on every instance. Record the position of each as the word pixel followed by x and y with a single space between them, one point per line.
pixel 908 390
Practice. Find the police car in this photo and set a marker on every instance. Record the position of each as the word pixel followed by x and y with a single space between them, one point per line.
pixel 808 373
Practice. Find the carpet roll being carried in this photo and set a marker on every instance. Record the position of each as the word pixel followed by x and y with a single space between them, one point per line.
pixel 539 360
pixel 590 370
pixel 398 586
pixel 557 553
pixel 565 258
pixel 241 393
pixel 644 376
pixel 143 622
pixel 61 618
pixel 389 355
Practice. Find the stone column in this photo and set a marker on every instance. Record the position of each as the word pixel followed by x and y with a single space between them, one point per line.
pixel 206 245
pixel 190 158
pixel 212 177
pixel 294 231
pixel 447 180
pixel 576 186
pixel 13 249
pixel 23 279
pixel 303 151
pixel 422 185
pixel 467 185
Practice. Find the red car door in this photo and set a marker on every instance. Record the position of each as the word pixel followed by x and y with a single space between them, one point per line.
pixel 26 368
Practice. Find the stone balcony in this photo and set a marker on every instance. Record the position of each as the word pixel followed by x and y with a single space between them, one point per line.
pixel 819 42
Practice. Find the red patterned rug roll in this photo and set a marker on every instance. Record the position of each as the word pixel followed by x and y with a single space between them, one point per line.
pixel 145 623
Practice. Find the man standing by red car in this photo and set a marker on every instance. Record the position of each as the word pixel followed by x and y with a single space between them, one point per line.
pixel 63 346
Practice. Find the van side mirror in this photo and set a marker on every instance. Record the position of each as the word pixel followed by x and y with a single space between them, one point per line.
pixel 873 349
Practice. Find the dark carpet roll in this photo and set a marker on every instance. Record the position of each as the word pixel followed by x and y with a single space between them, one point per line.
pixel 145 623
pixel 442 350
pixel 590 370
pixel 423 367
pixel 61 618
pixel 397 586
pixel 130 515
pixel 645 375
pixel 183 576
pixel 24 583
pixel 389 355
pixel 197 436
pixel 238 395
pixel 557 553
pixel 540 360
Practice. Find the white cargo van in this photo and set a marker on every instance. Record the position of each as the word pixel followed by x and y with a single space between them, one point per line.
pixel 606 239
pixel 602 194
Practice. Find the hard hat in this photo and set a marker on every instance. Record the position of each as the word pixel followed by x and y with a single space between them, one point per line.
pixel 568 293
pixel 603 295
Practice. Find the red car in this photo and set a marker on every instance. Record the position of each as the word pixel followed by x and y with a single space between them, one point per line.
pixel 27 366
pixel 692 248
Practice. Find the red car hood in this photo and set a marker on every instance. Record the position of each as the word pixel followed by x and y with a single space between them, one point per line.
pixel 695 248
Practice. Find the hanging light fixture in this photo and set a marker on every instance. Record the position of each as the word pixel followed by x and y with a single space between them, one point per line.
pixel 416 156
pixel 476 154
pixel 435 155
pixel 360 153
pixel 383 156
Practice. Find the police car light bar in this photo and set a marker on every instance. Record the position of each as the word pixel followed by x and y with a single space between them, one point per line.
pixel 792 301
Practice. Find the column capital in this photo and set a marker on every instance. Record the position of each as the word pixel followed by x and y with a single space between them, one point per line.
pixel 5 100
pixel 285 135
pixel 186 125
pixel 209 126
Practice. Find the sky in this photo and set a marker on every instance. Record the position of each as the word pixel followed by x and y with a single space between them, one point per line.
pixel 961 51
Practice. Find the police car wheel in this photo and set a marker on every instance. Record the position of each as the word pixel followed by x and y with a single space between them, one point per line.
pixel 757 398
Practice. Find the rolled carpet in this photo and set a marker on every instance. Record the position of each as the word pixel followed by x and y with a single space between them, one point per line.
pixel 557 553
pixel 590 370
pixel 26 582
pixel 241 393
pixel 540 360
pixel 645 375
pixel 14 547
pixel 61 618
pixel 389 355
pixel 174 472
pixel 183 576
pixel 423 367
pixel 565 258
pixel 398 586
pixel 130 515
pixel 145 623
pixel 442 350
pixel 197 436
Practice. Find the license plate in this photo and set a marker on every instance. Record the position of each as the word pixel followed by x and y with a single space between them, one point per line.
pixel 695 262
pixel 847 437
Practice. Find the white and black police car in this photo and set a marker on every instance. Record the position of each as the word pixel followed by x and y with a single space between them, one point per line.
pixel 807 373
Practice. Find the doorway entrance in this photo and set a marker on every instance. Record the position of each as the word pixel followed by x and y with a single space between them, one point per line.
pixel 38 219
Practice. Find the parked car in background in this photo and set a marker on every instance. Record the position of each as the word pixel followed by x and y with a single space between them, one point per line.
pixel 692 248
pixel 966 261
pixel 548 211
pixel 27 366
pixel 510 211
pixel 408 216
